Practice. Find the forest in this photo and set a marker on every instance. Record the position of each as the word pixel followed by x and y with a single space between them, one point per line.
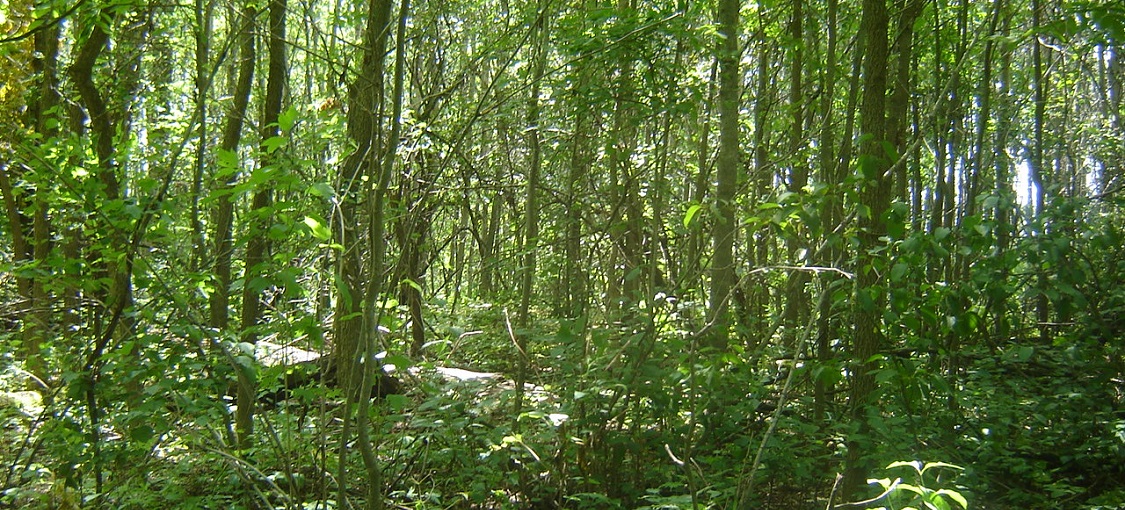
pixel 580 254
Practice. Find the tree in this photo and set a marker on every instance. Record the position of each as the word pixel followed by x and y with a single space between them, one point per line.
pixel 875 197
pixel 222 215
pixel 31 236
pixel 365 98
pixel 722 262
pixel 531 206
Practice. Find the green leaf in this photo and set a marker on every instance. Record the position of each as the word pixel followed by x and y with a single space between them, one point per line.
pixel 866 298
pixel 896 227
pixel 397 402
pixel 273 143
pixel 399 361
pixel 691 214
pixel 935 502
pixel 258 284
pixel 287 119
pixel 322 190
pixel 227 162
pixel 288 279
pixel 413 284
pixel 142 434
pixel 955 496
pixel 891 151
pixel 885 483
pixel 534 415
pixel 912 488
pixel 898 271
pixel 318 229
pixel 917 465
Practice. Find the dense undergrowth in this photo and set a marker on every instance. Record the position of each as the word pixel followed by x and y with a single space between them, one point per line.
pixel 615 418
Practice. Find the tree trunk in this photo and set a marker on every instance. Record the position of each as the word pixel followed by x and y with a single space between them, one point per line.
pixel 531 207
pixel 695 190
pixel 722 263
pixel 222 216
pixel 376 262
pixel 1035 166
pixel 830 214
pixel 113 263
pixel 31 236
pixel 358 299
pixel 875 192
pixel 573 290
pixel 204 18
pixel 1003 168
pixel 796 302
pixel 365 110
pixel 755 301
pixel 257 245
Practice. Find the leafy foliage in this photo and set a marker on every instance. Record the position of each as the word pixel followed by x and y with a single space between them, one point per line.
pixel 989 272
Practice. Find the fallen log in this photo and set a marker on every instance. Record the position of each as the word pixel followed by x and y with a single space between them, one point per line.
pixel 290 372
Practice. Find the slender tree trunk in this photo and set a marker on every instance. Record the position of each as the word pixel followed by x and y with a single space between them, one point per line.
pixel 625 146
pixel 624 229
pixel 875 192
pixel 755 304
pixel 31 236
pixel 722 262
pixel 489 250
pixel 531 213
pixel 103 129
pixel 796 303
pixel 414 226
pixel 1035 166
pixel 204 10
pixel 222 216
pixel 695 190
pixel 1003 212
pixel 660 280
pixel 830 214
pixel 45 65
pixel 574 279
pixel 941 134
pixel 112 263
pixel 376 263
pixel 984 97
pixel 364 129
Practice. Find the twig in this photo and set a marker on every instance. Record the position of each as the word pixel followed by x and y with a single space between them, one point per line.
pixel 832 494
pixel 810 269
pixel 512 334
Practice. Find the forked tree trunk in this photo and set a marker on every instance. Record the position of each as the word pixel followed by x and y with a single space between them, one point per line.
pixel 257 244
pixel 356 300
